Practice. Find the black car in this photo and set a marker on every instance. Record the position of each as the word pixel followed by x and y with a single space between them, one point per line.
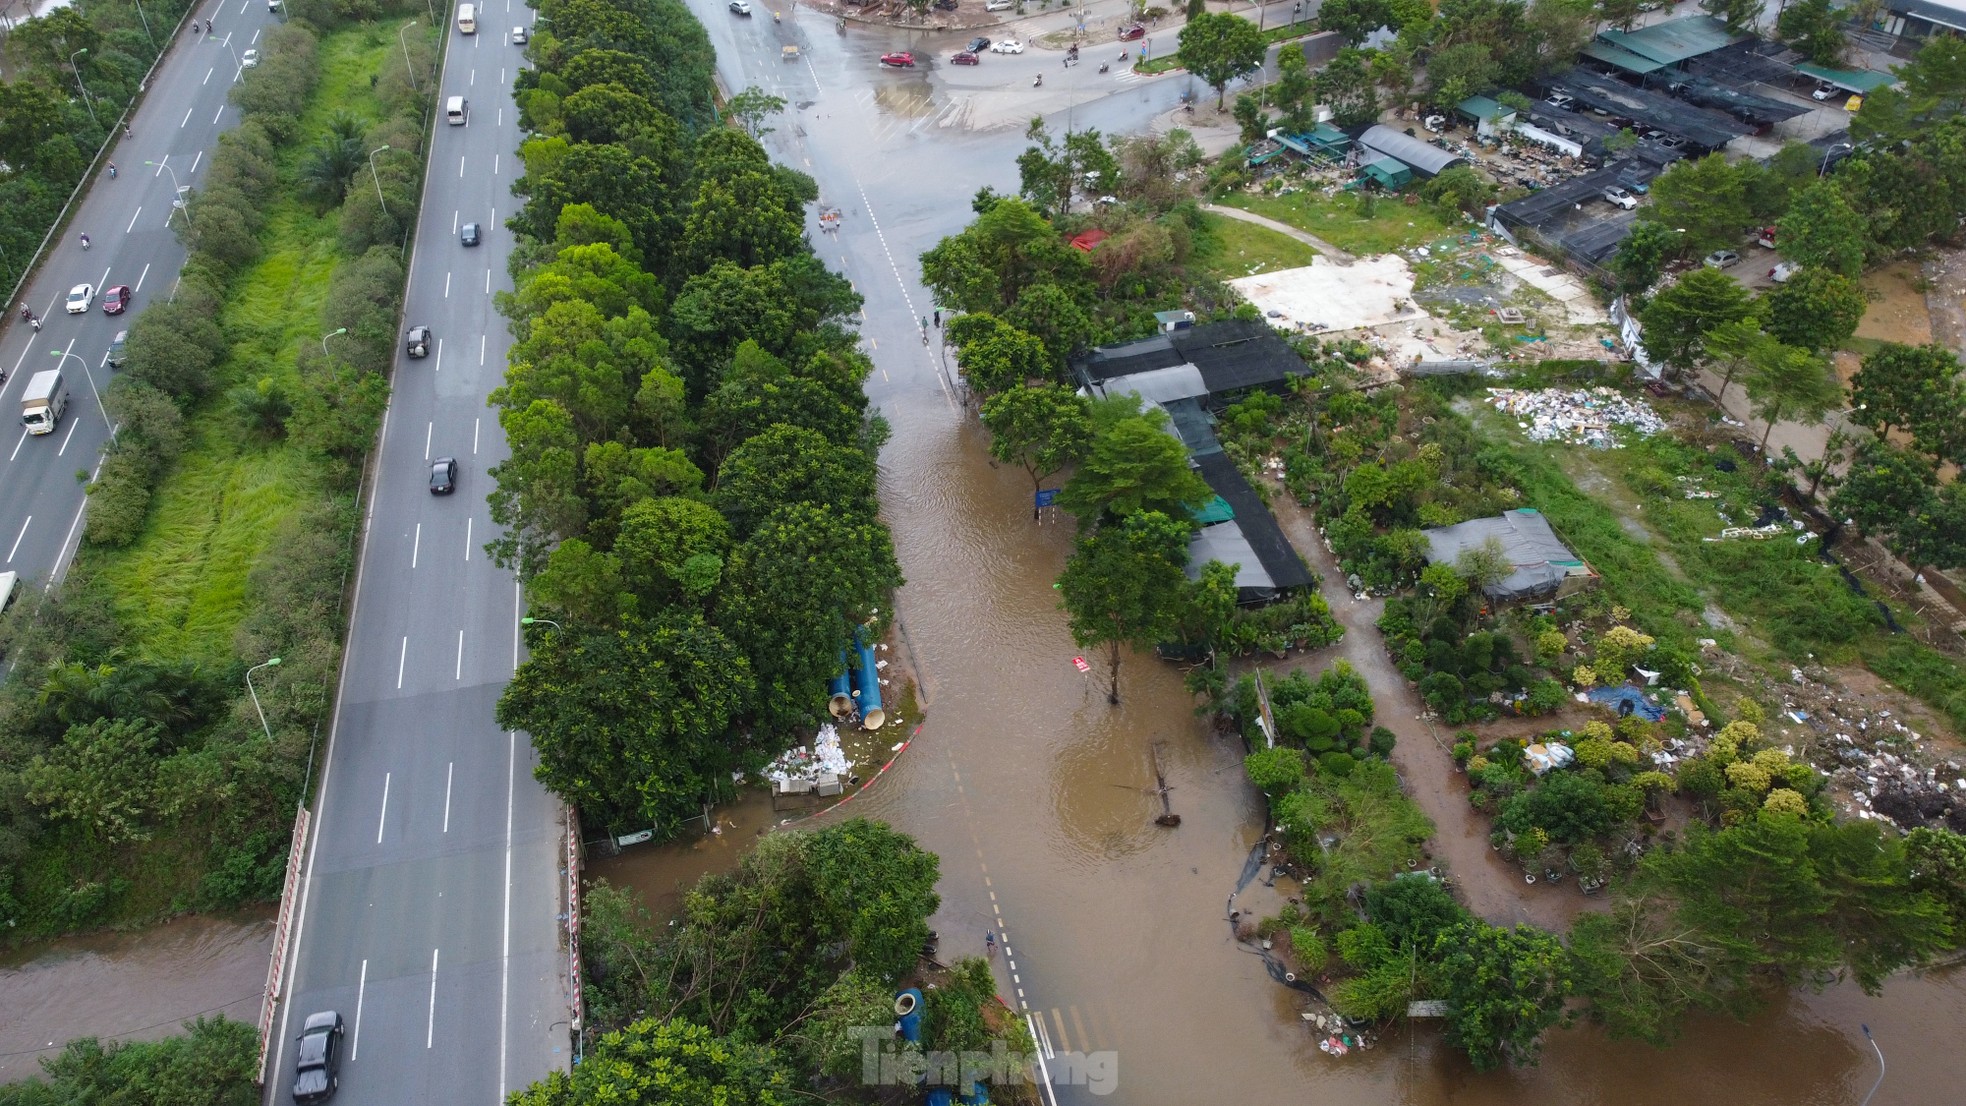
pixel 978 44
pixel 443 476
pixel 468 234
pixel 319 1059
pixel 418 342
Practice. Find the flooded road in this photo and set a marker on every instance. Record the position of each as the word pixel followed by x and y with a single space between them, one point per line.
pixel 1032 789
pixel 131 986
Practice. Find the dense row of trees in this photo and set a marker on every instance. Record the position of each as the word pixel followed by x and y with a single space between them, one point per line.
pixel 111 747
pixel 690 491
pixel 753 994
pixel 214 1063
pixel 74 71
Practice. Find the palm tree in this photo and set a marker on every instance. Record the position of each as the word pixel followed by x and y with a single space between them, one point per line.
pixel 328 166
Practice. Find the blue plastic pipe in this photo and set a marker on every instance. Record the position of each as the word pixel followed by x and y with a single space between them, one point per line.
pixel 869 692
pixel 839 690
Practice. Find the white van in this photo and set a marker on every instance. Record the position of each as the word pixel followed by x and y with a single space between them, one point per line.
pixel 9 584
pixel 454 108
pixel 467 19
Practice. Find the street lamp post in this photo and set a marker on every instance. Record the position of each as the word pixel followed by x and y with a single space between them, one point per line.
pixel 73 64
pixel 529 620
pixel 176 188
pixel 328 335
pixel 1880 1066
pixel 274 663
pixel 406 59
pixel 146 23
pixel 61 357
pixel 377 179
pixel 1827 154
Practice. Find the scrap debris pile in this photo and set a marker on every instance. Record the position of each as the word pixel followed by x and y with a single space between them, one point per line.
pixel 1579 416
pixel 802 769
pixel 1871 755
pixel 1339 1038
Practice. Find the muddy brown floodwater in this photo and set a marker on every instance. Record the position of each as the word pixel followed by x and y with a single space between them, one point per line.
pixel 130 986
pixel 1032 790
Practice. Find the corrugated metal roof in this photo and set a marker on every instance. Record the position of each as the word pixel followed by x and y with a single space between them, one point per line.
pixel 1622 58
pixel 1674 40
pixel 1540 560
pixel 1226 542
pixel 1422 156
pixel 1158 386
pixel 1935 11
pixel 1856 80
pixel 1285 568
pixel 1390 172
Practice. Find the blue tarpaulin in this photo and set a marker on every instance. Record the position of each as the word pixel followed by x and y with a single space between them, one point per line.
pixel 1627 699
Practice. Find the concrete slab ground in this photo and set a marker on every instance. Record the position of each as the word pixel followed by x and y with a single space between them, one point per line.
pixel 1371 291
pixel 1579 304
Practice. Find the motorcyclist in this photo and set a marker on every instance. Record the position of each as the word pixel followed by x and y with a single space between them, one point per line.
pixel 112 170
pixel 1037 80
pixel 85 240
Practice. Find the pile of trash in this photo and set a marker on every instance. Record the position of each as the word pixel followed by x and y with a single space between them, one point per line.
pixel 1578 416
pixel 1339 1037
pixel 1871 755
pixel 802 769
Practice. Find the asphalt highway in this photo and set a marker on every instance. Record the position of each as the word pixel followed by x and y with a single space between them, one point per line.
pixel 130 221
pixel 429 915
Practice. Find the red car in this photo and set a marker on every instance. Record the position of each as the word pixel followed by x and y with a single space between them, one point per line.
pixel 1132 31
pixel 964 57
pixel 900 59
pixel 115 299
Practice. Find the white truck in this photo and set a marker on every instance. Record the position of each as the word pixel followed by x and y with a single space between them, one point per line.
pixel 43 402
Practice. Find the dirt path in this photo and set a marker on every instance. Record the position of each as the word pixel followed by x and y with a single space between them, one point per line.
pixel 1331 252
pixel 1491 887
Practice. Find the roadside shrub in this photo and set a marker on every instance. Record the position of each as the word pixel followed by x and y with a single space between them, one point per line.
pixel 1337 763
pixel 1276 771
pixel 119 501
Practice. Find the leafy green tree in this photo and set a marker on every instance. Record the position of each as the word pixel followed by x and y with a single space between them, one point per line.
pixel 1461 71
pixel 672 548
pixel 793 593
pixel 999 357
pixel 101 778
pixel 665 1063
pixel 1894 494
pixel 1784 381
pixel 1053 172
pixel 1504 988
pixel 1738 15
pixel 1677 321
pixel 1294 91
pixel 584 583
pixel 1009 248
pixel 617 477
pixel 1620 13
pixel 1914 389
pixel 1345 85
pixel 1459 191
pixel 1814 310
pixel 1123 586
pixel 1821 229
pixel 536 500
pixel 1642 256
pixel 790 464
pixel 1040 429
pixel 1353 19
pixel 1134 465
pixel 1050 314
pixel 606 113
pixel 1704 202
pixel 753 106
pixel 1569 806
pixel 212 1063
pixel 638 725
pixel 1729 346
pixel 1413 910
pixel 1935 78
pixel 879 890
pixel 1936 861
pixel 1219 47
pixel 1815 29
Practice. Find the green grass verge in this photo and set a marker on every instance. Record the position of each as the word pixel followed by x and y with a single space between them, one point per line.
pixel 1795 605
pixel 1230 248
pixel 1393 225
pixel 181 587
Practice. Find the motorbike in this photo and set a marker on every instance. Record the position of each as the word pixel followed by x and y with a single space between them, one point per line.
pixel 1037 80
pixel 1103 67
